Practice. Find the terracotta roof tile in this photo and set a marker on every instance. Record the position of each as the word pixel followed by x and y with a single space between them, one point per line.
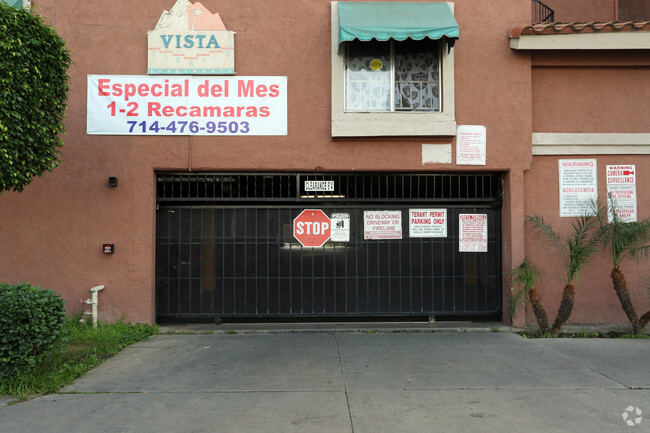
pixel 580 27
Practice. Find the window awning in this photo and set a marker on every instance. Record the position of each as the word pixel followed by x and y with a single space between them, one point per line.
pixel 396 20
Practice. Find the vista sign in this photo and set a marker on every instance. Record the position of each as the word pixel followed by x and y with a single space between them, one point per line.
pixel 190 40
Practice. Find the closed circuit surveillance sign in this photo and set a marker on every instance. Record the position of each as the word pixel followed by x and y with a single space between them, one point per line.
pixel 340 227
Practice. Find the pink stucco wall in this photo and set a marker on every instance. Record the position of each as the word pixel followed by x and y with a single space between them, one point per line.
pixel 590 91
pixel 583 10
pixel 596 300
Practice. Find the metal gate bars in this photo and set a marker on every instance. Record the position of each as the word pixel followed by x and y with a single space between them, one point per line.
pixel 225 248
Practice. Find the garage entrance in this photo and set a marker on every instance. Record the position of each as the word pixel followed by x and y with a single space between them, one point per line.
pixel 225 247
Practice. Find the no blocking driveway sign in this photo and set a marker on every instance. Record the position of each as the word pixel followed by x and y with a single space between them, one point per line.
pixel 312 228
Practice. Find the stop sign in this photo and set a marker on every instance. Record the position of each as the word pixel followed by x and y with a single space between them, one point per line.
pixel 312 228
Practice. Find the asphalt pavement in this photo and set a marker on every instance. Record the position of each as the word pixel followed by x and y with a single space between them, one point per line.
pixel 360 382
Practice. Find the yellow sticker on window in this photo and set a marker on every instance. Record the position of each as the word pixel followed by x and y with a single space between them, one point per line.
pixel 376 65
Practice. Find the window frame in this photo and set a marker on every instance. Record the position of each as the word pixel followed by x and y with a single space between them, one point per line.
pixel 391 123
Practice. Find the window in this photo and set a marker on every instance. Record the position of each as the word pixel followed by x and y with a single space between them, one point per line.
pixel 392 76
pixel 393 80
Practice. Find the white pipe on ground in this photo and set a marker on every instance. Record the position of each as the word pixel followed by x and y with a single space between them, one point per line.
pixel 93 303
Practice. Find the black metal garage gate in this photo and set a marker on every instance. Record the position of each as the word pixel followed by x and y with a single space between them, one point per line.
pixel 225 248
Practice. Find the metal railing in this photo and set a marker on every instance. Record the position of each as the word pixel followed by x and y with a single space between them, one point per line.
pixel 542 13
pixel 350 187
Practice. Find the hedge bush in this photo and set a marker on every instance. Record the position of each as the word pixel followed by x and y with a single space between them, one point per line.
pixel 31 325
pixel 34 86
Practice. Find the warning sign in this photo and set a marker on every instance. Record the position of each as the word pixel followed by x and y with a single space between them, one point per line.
pixel 471 145
pixel 382 224
pixel 472 233
pixel 578 187
pixel 428 223
pixel 621 190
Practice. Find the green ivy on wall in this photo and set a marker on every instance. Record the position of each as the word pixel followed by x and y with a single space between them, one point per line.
pixel 34 61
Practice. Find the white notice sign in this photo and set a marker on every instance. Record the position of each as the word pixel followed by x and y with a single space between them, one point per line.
pixel 382 224
pixel 428 223
pixel 621 187
pixel 340 231
pixel 472 233
pixel 471 145
pixel 578 187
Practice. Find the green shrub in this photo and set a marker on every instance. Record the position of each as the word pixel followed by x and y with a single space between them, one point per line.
pixel 31 323
pixel 34 85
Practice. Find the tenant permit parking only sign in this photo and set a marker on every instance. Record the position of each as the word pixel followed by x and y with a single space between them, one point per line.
pixel 578 186
pixel 382 224
pixel 621 187
pixel 176 105
pixel 472 233
pixel 428 223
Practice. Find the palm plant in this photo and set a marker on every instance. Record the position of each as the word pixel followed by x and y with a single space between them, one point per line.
pixel 623 240
pixel 526 275
pixel 575 250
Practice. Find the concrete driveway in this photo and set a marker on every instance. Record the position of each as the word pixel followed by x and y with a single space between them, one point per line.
pixel 353 382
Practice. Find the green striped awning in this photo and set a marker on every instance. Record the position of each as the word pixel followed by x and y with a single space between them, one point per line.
pixel 14 3
pixel 396 20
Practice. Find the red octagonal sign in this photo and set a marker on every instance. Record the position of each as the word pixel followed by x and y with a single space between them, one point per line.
pixel 312 228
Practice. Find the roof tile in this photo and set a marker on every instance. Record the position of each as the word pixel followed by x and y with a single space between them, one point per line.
pixel 579 27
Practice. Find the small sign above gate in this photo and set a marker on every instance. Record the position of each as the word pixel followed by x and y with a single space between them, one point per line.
pixel 319 185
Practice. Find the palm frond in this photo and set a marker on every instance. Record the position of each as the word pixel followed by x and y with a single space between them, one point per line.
pixel 524 276
pixel 580 245
pixel 517 300
pixel 547 231
pixel 638 253
pixel 623 239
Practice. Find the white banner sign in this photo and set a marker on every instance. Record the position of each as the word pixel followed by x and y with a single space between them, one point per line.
pixel 382 224
pixel 472 233
pixel 177 105
pixel 471 145
pixel 578 186
pixel 428 223
pixel 621 187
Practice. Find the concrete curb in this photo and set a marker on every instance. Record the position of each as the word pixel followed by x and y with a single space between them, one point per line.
pixel 6 401
pixel 376 328
pixel 336 328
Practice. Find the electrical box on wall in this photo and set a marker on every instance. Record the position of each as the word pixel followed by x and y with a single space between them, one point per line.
pixel 109 248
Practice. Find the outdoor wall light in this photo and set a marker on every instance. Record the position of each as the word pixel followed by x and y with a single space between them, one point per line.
pixel 112 181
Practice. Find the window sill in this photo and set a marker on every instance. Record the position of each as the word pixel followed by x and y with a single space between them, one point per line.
pixel 392 124
pixel 587 41
pixel 591 143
